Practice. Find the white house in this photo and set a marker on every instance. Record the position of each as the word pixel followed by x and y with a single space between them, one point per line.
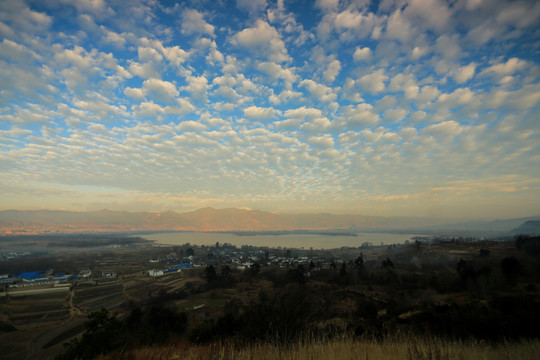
pixel 155 272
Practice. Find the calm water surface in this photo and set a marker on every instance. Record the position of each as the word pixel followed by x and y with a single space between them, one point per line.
pixel 307 241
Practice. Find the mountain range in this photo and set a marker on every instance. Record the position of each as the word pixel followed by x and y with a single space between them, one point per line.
pixel 210 219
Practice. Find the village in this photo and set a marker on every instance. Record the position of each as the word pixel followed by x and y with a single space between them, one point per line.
pixel 172 262
pixel 169 260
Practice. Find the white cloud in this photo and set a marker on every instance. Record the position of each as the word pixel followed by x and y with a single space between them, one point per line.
pixel 160 90
pixel 15 132
pixel 149 54
pixel 303 112
pixel 92 6
pixel 322 142
pixel 307 119
pixel 185 106
pixel 432 14
pixel 319 91
pixel 76 57
pixel 113 38
pixel 332 71
pixel 519 14
pixel 145 71
pixel 362 54
pixel 449 46
pixel 405 83
pixel 522 99
pixel 251 6
pixel 387 102
pixel 23 19
pixel 32 114
pixel 398 27
pixel 190 126
pixel 418 52
pixel 327 64
pixel 360 115
pixel 284 96
pixel 260 113
pixel 427 93
pixel 465 73
pixel 511 66
pixel 134 93
pixel 418 17
pixel 395 115
pixel 318 124
pixel 175 55
pixel 373 82
pixel 262 40
pixel 327 4
pixel 151 109
pixel 352 24
pixel 275 71
pixel 482 33
pixel 12 51
pixel 446 128
pixel 460 96
pixel 417 116
pixel 197 86
pixel 100 108
pixel 288 124
pixel 192 22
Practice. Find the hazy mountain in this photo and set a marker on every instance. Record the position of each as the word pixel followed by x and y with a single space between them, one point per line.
pixel 531 227
pixel 210 219
pixel 478 228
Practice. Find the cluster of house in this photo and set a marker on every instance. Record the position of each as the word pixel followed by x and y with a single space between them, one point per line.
pixel 245 257
pixel 177 268
pixel 47 277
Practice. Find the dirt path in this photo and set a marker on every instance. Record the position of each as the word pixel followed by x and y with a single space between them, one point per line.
pixel 73 310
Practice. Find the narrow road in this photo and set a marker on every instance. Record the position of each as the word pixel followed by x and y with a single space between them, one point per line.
pixel 73 310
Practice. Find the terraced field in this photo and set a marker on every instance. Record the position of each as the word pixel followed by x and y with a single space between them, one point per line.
pixel 90 298
pixel 34 308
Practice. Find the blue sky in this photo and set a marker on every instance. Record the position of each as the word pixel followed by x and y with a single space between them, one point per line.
pixel 422 108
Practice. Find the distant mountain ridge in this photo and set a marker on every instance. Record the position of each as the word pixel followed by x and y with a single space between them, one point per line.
pixel 210 219
pixel 531 227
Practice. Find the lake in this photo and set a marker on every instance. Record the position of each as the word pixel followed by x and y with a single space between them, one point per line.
pixel 306 241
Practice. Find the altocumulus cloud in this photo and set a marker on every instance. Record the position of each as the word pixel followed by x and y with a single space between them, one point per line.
pixel 386 108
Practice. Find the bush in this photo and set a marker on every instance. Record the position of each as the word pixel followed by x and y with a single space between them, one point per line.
pixel 104 333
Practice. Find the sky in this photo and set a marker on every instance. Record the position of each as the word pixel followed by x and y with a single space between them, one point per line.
pixel 397 108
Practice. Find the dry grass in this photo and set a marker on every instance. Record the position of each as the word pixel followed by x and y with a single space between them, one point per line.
pixel 343 349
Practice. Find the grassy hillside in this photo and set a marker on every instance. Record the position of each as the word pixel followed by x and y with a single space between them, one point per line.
pixel 343 349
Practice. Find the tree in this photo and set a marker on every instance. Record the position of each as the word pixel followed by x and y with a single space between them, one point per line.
pixel 343 271
pixel 226 271
pixel 510 268
pixel 297 274
pixel 210 273
pixel 103 334
pixel 359 262
pixel 254 269
pixel 387 264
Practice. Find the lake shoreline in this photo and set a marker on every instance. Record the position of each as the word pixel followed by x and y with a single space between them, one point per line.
pixel 315 240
